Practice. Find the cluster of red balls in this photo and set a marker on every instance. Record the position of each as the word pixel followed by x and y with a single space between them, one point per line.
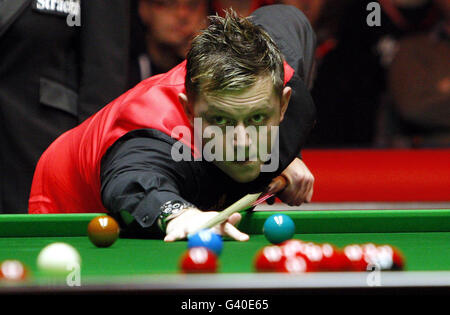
pixel 296 256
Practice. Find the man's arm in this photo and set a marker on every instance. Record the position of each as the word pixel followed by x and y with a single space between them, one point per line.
pixel 139 177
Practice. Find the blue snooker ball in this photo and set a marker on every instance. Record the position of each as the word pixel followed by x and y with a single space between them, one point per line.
pixel 278 228
pixel 208 239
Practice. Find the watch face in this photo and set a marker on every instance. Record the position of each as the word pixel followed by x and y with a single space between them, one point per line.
pixel 171 207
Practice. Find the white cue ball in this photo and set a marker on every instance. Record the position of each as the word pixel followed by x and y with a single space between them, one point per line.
pixel 58 258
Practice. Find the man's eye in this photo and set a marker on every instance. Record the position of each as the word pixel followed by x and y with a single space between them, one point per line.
pixel 259 118
pixel 219 120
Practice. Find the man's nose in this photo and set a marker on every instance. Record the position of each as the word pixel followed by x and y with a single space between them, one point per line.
pixel 241 136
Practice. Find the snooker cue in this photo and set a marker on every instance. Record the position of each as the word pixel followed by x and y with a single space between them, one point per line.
pixel 242 204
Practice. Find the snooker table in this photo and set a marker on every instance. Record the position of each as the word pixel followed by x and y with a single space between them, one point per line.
pixel 151 266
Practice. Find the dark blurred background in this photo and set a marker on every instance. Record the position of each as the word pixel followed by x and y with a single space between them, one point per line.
pixel 382 86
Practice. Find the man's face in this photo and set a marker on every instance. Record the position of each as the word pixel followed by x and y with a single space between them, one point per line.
pixel 173 22
pixel 235 114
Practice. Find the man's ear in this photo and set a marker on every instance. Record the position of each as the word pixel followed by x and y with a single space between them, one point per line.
pixel 285 97
pixel 183 99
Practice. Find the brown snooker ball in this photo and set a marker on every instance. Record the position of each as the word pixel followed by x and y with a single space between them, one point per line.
pixel 103 231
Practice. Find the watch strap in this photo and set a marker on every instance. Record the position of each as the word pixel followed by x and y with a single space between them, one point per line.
pixel 170 210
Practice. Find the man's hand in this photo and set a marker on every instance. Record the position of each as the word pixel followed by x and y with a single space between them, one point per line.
pixel 300 184
pixel 180 227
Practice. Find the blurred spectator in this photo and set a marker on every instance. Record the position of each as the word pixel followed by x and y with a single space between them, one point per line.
pixel 58 65
pixel 311 8
pixel 324 17
pixel 170 26
pixel 417 112
pixel 350 82
pixel 243 7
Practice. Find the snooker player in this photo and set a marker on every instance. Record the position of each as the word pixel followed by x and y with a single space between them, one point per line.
pixel 121 161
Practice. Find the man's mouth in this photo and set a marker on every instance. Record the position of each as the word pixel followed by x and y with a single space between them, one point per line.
pixel 247 161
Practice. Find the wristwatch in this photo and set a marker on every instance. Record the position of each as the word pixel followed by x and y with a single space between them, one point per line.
pixel 170 210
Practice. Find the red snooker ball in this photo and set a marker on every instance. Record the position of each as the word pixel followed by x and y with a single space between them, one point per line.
pixel 294 265
pixel 354 258
pixel 103 231
pixel 13 270
pixel 268 258
pixel 332 258
pixel 198 260
pixel 388 258
pixel 399 260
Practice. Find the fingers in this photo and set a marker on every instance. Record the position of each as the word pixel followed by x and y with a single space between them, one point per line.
pixel 288 196
pixel 310 194
pixel 178 230
pixel 234 233
pixel 303 191
pixel 292 194
pixel 309 189
pixel 300 192
pixel 175 235
pixel 301 183
pixel 235 218
pixel 277 185
pixel 230 230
